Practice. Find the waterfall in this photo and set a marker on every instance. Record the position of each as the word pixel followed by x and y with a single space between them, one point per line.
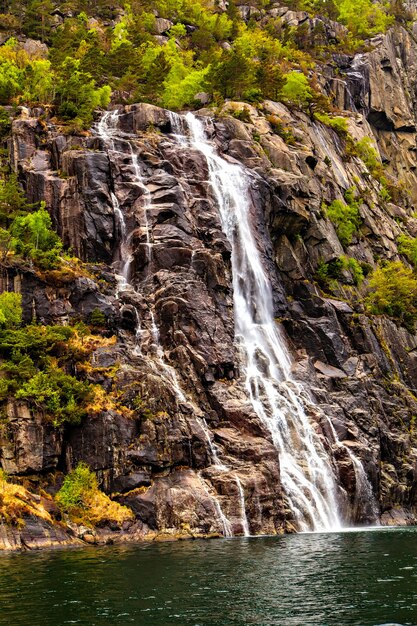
pixel 107 130
pixel 243 517
pixel 213 449
pixel 306 472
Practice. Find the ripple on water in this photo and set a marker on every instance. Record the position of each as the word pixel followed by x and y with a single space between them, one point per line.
pixel 345 579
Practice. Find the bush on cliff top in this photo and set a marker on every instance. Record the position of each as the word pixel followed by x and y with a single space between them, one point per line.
pixel 363 18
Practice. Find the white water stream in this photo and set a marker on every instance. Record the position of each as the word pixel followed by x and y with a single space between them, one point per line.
pixel 107 129
pixel 306 471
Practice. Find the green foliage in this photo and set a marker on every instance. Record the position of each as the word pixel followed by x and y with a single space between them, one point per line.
pixel 364 18
pixel 143 410
pixel 29 79
pixel 34 360
pixel 5 124
pixel 25 232
pixel 61 396
pixel 207 50
pixel 81 499
pixel 408 247
pixel 12 200
pixel 328 274
pixel 24 78
pixel 296 89
pixel 346 217
pixel 76 486
pixel 366 151
pixel 281 129
pixel 26 351
pixel 97 318
pixel 339 124
pixel 393 291
pixel 356 270
pixel 33 238
pixel 77 94
pixel 10 309
pixel 242 114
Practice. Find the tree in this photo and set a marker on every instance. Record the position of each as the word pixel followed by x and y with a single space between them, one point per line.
pixel 77 94
pixel 33 237
pixel 12 200
pixel 296 89
pixel 364 18
pixel 38 19
pixel 5 124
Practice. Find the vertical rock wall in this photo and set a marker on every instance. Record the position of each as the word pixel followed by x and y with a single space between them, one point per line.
pixel 166 462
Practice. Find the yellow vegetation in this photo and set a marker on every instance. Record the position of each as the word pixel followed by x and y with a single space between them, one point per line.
pixel 99 510
pixel 83 502
pixel 102 400
pixel 16 502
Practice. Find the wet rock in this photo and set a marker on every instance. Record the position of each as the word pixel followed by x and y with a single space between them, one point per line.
pixel 176 361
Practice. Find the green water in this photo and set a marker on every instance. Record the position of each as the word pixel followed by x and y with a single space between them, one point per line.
pixel 362 578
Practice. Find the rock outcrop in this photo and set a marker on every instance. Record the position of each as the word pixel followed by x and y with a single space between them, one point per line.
pixel 194 437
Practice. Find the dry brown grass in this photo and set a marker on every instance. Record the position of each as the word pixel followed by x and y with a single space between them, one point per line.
pixel 16 502
pixel 98 510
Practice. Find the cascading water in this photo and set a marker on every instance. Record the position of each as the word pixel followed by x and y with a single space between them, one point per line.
pixel 243 517
pixel 306 471
pixel 107 129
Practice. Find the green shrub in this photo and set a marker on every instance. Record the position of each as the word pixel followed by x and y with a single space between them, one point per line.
pixel 33 238
pixel 338 124
pixel 97 318
pixel 77 484
pixel 242 114
pixel 364 18
pixel 12 200
pixel 392 291
pixel 327 274
pixel 345 217
pixel 29 366
pixel 62 397
pixel 280 128
pixel 5 124
pixel 10 309
pixel 408 247
pixel 81 499
pixel 367 153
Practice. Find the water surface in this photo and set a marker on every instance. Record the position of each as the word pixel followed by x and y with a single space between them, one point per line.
pixel 341 579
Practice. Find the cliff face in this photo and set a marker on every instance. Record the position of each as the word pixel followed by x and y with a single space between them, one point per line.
pixel 133 199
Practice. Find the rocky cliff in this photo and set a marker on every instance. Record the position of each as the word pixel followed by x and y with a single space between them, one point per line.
pixel 193 457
